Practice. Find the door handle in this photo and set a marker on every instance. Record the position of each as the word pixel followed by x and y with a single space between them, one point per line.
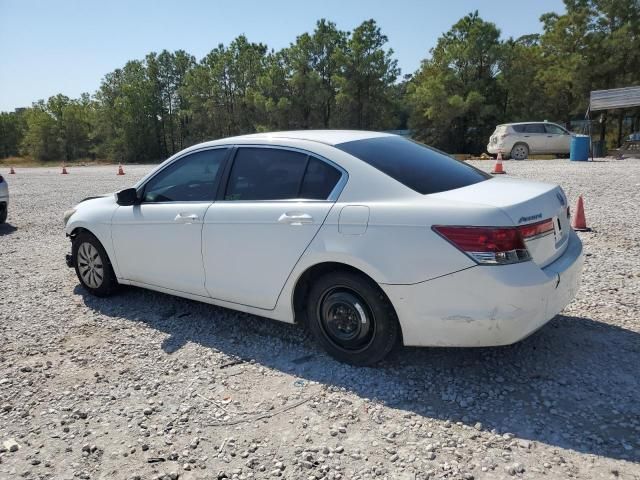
pixel 186 218
pixel 295 218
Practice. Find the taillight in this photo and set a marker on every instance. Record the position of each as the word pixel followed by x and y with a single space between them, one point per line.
pixel 535 229
pixel 487 245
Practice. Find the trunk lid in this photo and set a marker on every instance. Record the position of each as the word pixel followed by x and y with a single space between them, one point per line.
pixel 524 202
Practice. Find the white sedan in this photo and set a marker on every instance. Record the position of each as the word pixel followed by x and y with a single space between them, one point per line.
pixel 369 239
pixel 4 199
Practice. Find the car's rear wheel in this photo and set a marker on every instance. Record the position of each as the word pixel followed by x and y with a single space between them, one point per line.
pixel 3 212
pixel 352 318
pixel 93 266
pixel 520 151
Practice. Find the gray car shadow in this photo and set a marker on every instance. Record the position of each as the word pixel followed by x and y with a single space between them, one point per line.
pixel 574 384
pixel 7 229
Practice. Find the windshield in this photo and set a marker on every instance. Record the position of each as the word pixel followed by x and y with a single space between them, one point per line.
pixel 421 168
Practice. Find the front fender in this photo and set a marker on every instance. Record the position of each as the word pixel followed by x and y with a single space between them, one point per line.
pixel 95 216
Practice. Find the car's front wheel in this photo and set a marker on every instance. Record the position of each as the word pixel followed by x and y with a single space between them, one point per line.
pixel 92 265
pixel 352 318
pixel 3 212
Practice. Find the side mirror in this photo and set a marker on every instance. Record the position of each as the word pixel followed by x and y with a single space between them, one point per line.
pixel 127 197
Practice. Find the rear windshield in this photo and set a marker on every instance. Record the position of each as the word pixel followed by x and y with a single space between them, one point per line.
pixel 413 164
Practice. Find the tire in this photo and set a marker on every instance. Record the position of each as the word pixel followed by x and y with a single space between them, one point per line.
pixel 351 318
pixel 520 151
pixel 3 213
pixel 92 265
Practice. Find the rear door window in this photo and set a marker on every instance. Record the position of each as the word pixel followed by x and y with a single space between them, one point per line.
pixel 421 168
pixel 555 130
pixel 265 174
pixel 518 128
pixel 534 128
pixel 319 181
pixel 279 174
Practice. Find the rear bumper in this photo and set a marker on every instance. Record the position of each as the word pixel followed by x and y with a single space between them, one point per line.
pixel 487 305
pixel 494 148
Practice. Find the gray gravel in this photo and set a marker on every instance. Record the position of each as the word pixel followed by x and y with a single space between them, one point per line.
pixel 145 385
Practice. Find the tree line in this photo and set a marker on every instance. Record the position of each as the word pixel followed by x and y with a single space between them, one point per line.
pixel 329 78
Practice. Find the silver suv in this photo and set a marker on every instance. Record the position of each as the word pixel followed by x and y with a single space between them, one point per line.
pixel 519 140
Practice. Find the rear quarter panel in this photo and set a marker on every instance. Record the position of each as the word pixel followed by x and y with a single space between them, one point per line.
pixel 398 245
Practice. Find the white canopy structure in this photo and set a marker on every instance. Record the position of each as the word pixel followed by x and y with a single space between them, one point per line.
pixel 615 98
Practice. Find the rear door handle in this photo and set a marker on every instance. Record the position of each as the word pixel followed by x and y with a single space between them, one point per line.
pixel 186 218
pixel 295 218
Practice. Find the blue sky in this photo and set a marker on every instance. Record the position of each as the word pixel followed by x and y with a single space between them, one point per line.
pixel 49 47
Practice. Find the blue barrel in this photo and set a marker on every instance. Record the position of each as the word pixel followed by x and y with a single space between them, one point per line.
pixel 580 148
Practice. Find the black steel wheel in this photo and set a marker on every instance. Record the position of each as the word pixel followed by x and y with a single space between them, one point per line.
pixel 345 318
pixel 352 318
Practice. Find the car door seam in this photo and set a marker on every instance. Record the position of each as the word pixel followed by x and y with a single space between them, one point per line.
pixel 204 269
pixel 113 246
pixel 302 254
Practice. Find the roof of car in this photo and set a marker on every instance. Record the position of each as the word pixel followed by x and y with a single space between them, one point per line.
pixel 528 123
pixel 329 137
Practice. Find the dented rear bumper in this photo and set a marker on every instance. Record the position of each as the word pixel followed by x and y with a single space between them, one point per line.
pixel 487 305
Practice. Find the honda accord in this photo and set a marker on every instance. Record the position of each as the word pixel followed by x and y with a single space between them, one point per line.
pixel 369 239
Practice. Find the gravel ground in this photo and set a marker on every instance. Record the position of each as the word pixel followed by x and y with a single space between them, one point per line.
pixel 145 385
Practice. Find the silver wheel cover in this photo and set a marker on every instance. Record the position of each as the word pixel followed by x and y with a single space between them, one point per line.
pixel 90 265
pixel 519 152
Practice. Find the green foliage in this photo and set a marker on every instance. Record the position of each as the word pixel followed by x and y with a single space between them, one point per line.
pixel 58 129
pixel 222 89
pixel 455 95
pixel 472 81
pixel 520 89
pixel 12 126
pixel 366 80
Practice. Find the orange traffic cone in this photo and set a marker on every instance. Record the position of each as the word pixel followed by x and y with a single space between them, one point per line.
pixel 120 170
pixel 12 171
pixel 64 170
pixel 498 167
pixel 579 222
